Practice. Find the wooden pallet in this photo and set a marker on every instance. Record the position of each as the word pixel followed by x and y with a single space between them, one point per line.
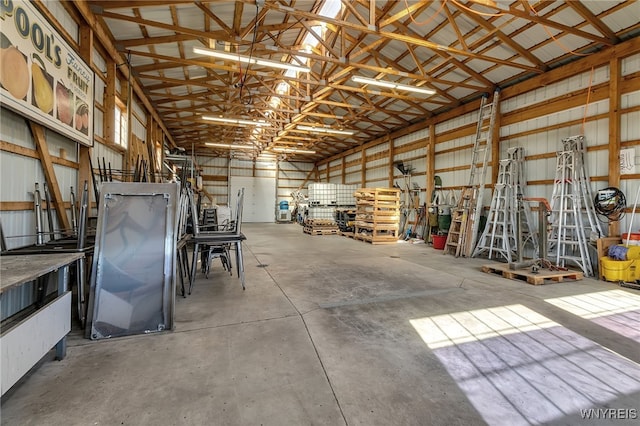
pixel 347 234
pixel 320 231
pixel 320 222
pixel 375 240
pixel 542 277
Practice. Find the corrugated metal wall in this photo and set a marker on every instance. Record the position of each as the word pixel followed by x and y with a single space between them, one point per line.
pixel 290 175
pixel 629 137
pixel 215 176
pixel 540 136
pixel 21 173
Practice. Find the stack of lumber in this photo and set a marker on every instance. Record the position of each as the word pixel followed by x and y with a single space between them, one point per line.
pixel 320 227
pixel 377 215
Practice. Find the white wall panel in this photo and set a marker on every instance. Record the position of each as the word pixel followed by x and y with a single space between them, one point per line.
pixel 15 224
pixel 354 156
pixel 422 134
pixel 56 142
pixel 375 163
pixel 110 155
pixel 98 123
pixel 212 161
pixel 378 174
pixel 630 100
pixel 630 64
pixel 629 128
pixel 335 163
pixel 265 173
pixel 139 129
pixel 65 20
pixel 99 61
pixel 19 175
pixel 376 183
pixel 139 110
pixel 378 148
pixel 13 129
pixel 416 156
pixel 99 88
pixel 460 121
pixel 630 188
pixel 532 98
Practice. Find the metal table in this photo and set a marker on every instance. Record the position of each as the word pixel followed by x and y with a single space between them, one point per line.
pixel 26 340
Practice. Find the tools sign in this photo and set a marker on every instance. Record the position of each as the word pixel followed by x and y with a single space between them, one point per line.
pixel 41 76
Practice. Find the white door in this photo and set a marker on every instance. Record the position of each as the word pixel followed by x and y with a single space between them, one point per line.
pixel 259 198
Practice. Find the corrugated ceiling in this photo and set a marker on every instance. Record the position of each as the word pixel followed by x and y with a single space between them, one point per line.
pixel 460 49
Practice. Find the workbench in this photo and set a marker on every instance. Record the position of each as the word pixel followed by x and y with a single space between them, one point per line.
pixel 37 327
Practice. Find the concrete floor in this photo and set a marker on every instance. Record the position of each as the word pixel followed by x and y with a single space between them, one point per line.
pixel 334 331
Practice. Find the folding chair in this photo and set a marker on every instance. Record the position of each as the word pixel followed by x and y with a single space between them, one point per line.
pixel 221 241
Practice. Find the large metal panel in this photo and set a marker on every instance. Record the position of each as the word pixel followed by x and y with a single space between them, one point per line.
pixel 133 278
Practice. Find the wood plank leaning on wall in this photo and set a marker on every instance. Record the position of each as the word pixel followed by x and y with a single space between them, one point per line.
pixel 49 173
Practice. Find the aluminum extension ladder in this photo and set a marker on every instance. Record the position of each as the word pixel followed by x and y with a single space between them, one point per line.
pixel 571 199
pixel 508 228
pixel 463 231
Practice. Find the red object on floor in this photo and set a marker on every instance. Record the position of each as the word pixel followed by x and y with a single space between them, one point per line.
pixel 439 241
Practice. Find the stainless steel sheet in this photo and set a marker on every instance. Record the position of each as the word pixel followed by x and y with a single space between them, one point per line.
pixel 134 271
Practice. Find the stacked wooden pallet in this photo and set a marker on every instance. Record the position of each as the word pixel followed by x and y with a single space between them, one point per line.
pixel 377 215
pixel 320 227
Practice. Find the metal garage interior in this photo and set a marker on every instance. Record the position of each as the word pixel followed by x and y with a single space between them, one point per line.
pixel 127 121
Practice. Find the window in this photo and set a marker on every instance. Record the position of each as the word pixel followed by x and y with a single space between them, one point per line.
pixel 121 131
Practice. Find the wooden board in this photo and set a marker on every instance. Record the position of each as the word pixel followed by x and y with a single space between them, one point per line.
pixel 542 277
pixel 18 269
pixel 320 231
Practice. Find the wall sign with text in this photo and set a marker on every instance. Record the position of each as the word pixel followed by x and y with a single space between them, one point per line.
pixel 41 76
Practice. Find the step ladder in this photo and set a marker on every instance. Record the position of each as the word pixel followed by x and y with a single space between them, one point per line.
pixel 463 232
pixel 571 199
pixel 457 238
pixel 508 228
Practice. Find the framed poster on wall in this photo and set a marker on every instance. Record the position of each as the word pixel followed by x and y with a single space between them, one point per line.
pixel 41 76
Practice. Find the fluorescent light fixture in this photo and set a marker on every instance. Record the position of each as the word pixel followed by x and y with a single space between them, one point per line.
pixel 296 150
pixel 237 121
pixel 229 145
pixel 326 130
pixel 250 60
pixel 392 85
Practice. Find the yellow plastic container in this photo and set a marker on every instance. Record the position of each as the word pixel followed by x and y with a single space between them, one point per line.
pixel 633 252
pixel 620 270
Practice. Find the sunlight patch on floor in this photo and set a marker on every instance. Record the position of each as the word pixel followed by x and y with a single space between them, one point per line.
pixel 518 367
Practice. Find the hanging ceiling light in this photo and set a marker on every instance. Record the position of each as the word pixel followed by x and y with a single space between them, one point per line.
pixel 294 150
pixel 326 130
pixel 237 121
pixel 229 145
pixel 250 60
pixel 392 85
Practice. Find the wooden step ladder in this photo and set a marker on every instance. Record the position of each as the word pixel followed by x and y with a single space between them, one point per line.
pixel 463 231
pixel 457 238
